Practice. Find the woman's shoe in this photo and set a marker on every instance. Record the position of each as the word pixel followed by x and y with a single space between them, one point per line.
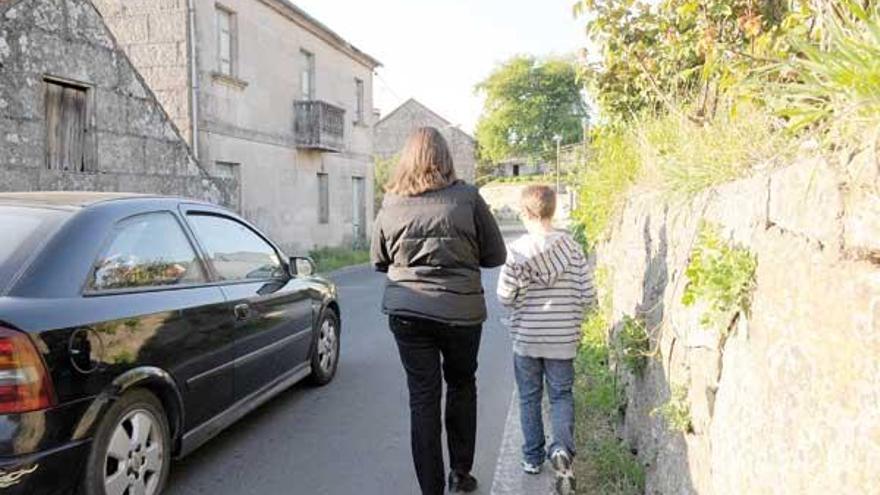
pixel 565 481
pixel 461 482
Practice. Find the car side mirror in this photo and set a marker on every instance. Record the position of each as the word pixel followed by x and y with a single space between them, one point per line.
pixel 301 266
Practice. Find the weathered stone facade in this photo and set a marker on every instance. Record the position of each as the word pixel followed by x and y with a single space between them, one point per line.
pixel 788 402
pixel 130 143
pixel 393 130
pixel 241 125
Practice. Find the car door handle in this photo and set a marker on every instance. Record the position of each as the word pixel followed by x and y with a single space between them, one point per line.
pixel 242 311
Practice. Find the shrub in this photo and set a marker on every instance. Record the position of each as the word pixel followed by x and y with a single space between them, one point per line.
pixel 633 344
pixel 721 275
pixel 676 412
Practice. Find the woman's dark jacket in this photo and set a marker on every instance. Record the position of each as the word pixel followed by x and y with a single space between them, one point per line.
pixel 432 247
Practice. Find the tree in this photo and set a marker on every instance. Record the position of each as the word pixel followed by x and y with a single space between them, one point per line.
pixel 383 168
pixel 528 102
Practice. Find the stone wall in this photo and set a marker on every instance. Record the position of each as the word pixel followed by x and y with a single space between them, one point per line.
pixel 134 146
pixel 154 35
pixel 788 402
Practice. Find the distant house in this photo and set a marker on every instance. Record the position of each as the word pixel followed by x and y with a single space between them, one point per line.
pixel 76 115
pixel 518 167
pixel 268 95
pixel 393 129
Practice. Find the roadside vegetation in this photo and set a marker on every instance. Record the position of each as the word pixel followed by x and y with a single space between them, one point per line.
pixel 689 95
pixel 604 463
pixel 328 259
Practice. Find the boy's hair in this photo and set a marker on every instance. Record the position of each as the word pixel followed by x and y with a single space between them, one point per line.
pixel 538 202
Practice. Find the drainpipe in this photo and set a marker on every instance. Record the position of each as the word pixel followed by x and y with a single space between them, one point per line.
pixel 194 78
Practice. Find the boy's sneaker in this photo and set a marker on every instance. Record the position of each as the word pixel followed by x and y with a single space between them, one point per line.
pixel 565 481
pixel 530 468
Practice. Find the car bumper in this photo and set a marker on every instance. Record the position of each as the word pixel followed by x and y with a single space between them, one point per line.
pixel 50 472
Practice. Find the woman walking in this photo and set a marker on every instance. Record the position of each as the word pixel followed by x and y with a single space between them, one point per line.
pixel 432 235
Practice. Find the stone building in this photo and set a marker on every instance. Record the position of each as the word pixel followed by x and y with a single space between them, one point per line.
pixel 394 128
pixel 75 114
pixel 268 95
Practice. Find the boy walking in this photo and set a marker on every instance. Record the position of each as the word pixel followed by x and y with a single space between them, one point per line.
pixel 547 286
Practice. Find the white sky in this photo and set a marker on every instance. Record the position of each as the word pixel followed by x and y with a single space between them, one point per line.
pixel 437 50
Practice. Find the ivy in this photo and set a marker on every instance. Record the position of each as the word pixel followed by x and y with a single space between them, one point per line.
pixel 633 344
pixel 676 412
pixel 722 276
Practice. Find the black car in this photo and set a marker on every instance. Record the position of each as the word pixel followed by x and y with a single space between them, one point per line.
pixel 135 328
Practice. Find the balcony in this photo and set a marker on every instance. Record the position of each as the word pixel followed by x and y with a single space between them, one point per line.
pixel 319 126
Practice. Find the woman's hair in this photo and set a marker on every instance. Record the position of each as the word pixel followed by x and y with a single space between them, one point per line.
pixel 425 164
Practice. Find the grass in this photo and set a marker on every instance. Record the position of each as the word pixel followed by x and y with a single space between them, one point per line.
pixel 604 463
pixel 834 87
pixel 328 259
pixel 522 179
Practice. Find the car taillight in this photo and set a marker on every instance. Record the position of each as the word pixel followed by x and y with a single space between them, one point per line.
pixel 24 381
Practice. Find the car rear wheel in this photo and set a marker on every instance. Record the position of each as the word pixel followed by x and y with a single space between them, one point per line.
pixel 130 453
pixel 325 349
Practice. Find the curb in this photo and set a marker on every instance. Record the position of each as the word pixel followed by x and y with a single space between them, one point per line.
pixel 509 477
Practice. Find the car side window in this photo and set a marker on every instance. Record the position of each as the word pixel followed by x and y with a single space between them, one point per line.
pixel 148 250
pixel 236 251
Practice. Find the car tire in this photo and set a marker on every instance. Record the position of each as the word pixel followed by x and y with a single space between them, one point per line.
pixel 132 445
pixel 325 349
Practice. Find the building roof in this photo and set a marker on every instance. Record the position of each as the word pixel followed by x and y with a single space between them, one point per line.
pixel 419 106
pixel 319 29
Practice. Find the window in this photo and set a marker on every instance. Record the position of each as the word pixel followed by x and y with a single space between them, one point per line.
pixel 227 170
pixel 359 92
pixel 66 126
pixel 23 230
pixel 307 75
pixel 235 251
pixel 516 170
pixel 323 198
pixel 148 250
pixel 226 42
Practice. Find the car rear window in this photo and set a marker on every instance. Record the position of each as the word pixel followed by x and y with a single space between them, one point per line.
pixel 23 228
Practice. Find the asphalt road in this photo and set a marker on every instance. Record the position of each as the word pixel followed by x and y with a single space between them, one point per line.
pixel 352 436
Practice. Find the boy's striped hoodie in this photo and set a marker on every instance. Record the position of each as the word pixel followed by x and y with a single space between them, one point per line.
pixel 548 286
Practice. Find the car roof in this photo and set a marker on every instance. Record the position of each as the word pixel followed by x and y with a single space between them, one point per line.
pixel 66 198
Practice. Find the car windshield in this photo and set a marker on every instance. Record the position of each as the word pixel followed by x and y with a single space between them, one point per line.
pixel 23 228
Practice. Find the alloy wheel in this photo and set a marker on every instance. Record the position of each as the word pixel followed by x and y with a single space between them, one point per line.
pixel 135 456
pixel 327 343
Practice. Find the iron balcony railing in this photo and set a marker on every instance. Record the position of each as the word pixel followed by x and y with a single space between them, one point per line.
pixel 319 125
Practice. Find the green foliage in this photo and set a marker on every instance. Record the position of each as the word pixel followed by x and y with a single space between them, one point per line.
pixel 633 345
pixel 835 85
pixel 613 167
pixel 522 179
pixel 721 275
pixel 382 170
pixel 528 102
pixel 328 259
pixel 607 466
pixel 676 412
pixel 654 52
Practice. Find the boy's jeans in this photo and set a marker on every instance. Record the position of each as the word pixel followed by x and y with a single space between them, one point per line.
pixel 530 374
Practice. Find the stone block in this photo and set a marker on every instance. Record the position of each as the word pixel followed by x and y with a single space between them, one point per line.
pixel 63 180
pixel 805 199
pixel 129 29
pixel 21 96
pixel 111 111
pixel 144 118
pixel 14 179
pixel 139 183
pixel 165 78
pixel 170 26
pixel 21 144
pixel 862 223
pixel 47 15
pixel 118 153
pixel 86 25
pixel 169 54
pixel 165 158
